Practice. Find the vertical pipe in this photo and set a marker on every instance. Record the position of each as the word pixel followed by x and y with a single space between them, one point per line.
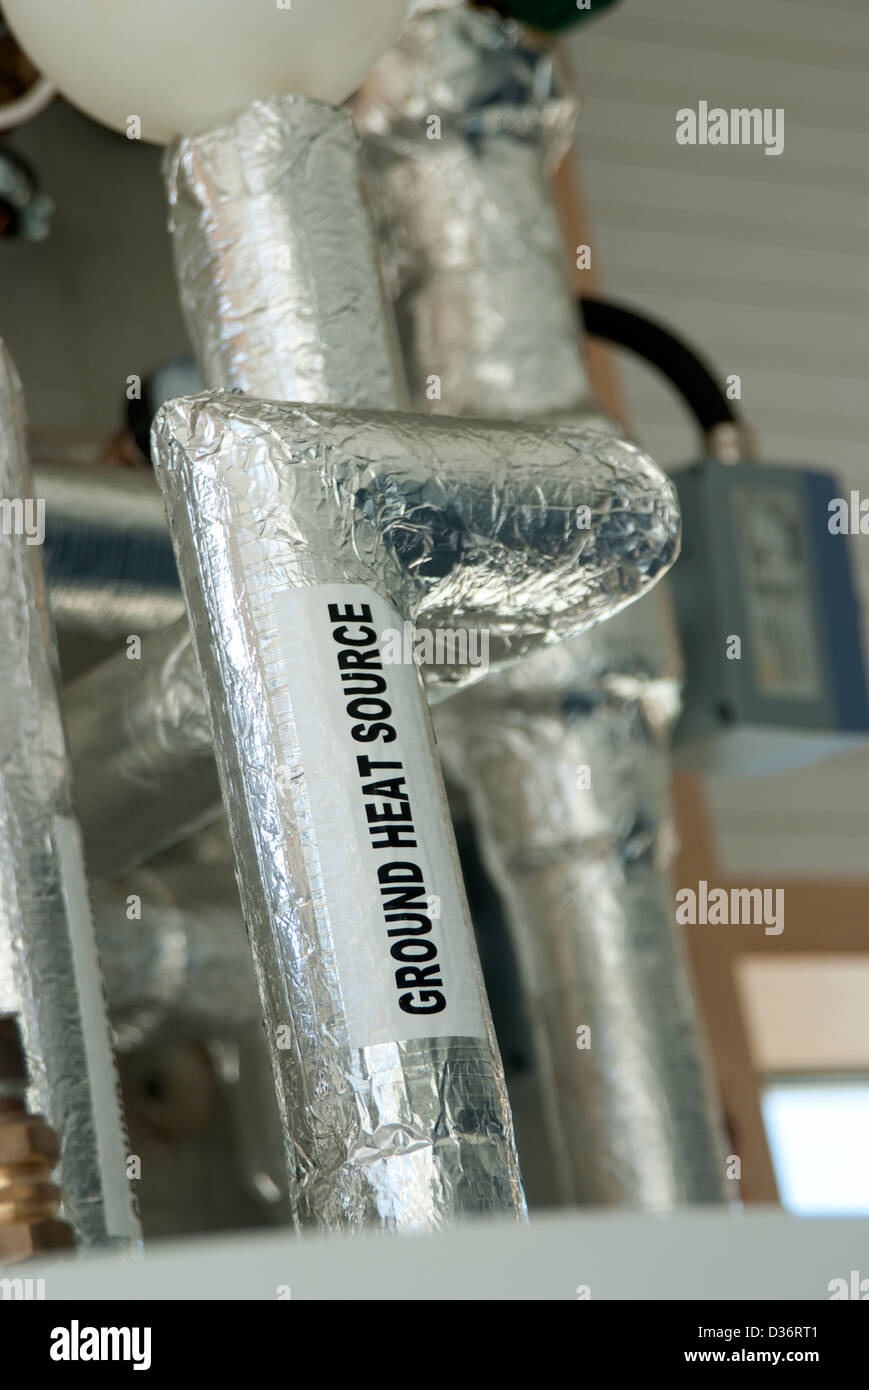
pixel 141 752
pixel 563 758
pixel 49 971
pixel 275 259
pixel 280 285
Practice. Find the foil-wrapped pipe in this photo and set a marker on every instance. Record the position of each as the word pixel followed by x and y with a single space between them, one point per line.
pixel 303 535
pixel 141 751
pixel 275 258
pixel 49 973
pixel 386 1120
pixel 139 735
pixel 566 766
pixel 463 123
pixel 138 730
pixel 563 757
pixel 179 980
pixel 109 565
pixel 174 952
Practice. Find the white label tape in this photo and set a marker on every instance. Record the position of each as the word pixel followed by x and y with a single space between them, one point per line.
pixel 366 787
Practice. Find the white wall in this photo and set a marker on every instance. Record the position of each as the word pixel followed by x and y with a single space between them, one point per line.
pixel 763 262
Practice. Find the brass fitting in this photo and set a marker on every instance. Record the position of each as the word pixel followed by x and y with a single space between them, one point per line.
pixel 29 1151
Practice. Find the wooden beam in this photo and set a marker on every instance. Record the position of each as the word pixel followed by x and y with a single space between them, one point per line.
pixel 711 954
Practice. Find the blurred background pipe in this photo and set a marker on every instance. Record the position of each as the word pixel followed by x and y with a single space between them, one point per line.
pixel 141 751
pixel 173 950
pixel 562 759
pixel 49 972
pixel 108 556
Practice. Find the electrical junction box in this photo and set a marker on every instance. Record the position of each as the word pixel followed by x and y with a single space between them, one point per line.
pixel 770 625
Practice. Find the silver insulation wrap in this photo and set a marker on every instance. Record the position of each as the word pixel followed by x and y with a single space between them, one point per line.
pixel 528 534
pixel 141 751
pixel 563 757
pixel 49 972
pixel 139 734
pixel 275 259
pixel 462 125
pixel 174 952
pixel 108 561
pixel 285 520
pixel 280 287
pixel 279 282
pixel 565 762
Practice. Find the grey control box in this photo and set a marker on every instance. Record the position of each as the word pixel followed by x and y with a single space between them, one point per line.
pixel 769 620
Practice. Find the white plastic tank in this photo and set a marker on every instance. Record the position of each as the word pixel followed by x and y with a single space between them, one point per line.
pixel 177 65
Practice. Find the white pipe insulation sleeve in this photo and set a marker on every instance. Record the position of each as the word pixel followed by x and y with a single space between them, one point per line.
pixel 49 972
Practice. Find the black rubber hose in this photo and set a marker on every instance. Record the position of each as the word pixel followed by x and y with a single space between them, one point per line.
pixel 554 15
pixel 682 366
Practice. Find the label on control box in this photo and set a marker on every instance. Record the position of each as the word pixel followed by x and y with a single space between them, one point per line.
pixel 778 593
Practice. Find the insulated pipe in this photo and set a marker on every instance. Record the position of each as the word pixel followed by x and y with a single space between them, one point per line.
pixel 564 756
pixel 109 565
pixel 463 127
pixel 174 952
pixel 566 768
pixel 141 751
pixel 49 973
pixel 259 191
pixel 280 286
pixel 177 968
pixel 389 1118
pixel 304 535
pixel 275 259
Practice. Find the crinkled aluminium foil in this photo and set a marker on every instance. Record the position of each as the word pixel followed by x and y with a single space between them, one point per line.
pixel 464 218
pixel 280 286
pixel 566 766
pixel 185 965
pixel 529 534
pixel 264 497
pixel 141 751
pixel 143 724
pixel 278 275
pixel 275 260
pixel 471 244
pixel 178 970
pixel 49 971
pixel 281 291
pixel 106 552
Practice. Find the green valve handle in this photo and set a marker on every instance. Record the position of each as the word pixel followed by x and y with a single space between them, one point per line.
pixel 551 15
